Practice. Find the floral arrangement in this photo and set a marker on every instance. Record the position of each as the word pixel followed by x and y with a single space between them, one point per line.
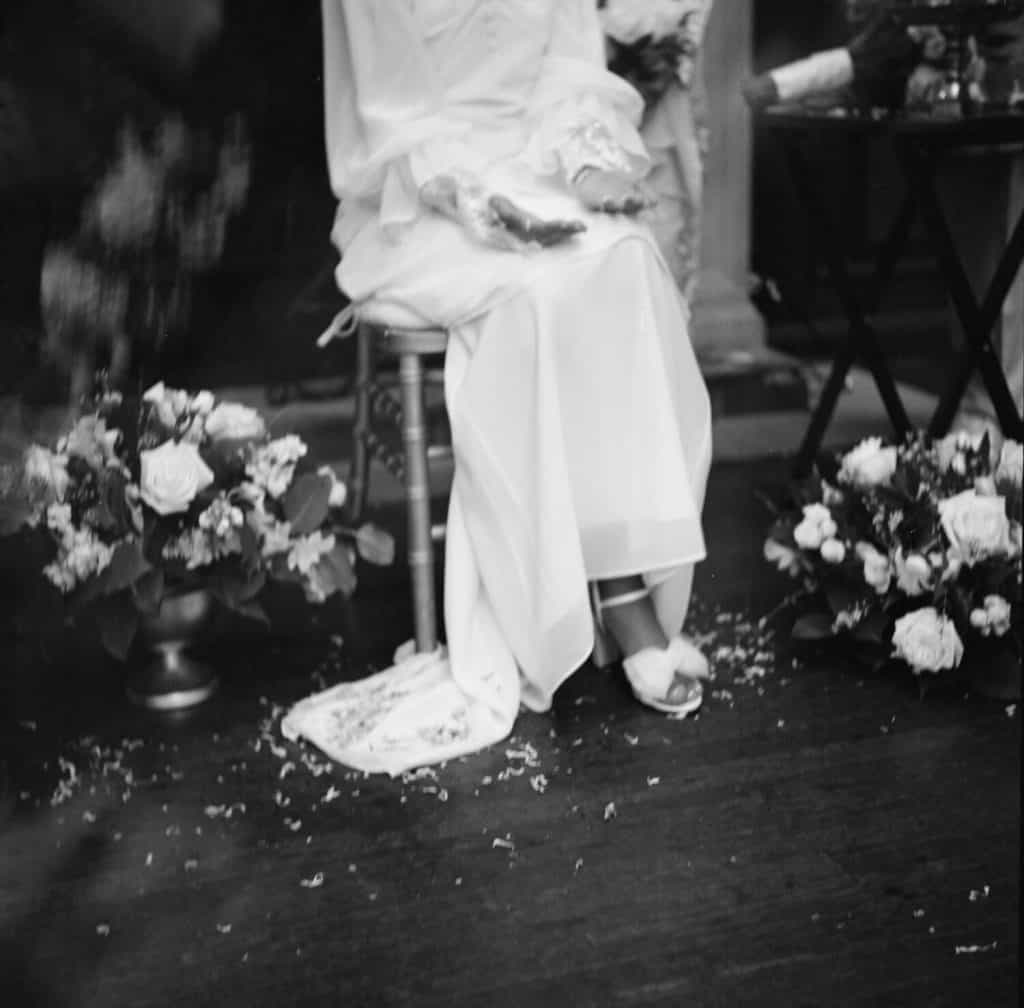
pixel 913 551
pixel 157 219
pixel 653 43
pixel 182 492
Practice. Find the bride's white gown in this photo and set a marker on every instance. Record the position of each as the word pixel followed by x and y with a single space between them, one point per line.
pixel 580 421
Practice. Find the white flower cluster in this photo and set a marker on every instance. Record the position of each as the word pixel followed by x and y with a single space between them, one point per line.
pixel 80 554
pixel 177 410
pixel 272 465
pixel 46 480
pixel 221 518
pixel 868 464
pixel 994 619
pixel 304 557
pixel 234 422
pixel 92 441
pixel 817 531
pixel 975 528
pixel 306 552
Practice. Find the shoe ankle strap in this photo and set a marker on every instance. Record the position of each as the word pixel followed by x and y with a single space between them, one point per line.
pixel 624 599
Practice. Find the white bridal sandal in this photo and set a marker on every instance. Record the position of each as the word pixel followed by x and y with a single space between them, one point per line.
pixel 667 679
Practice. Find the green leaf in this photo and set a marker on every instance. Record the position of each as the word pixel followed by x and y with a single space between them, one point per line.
pixel 250 547
pixel 306 503
pixel 126 566
pixel 149 591
pixel 375 545
pixel 118 622
pixel 813 627
pixel 334 571
pixel 871 630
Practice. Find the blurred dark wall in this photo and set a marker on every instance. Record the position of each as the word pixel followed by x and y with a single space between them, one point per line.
pixel 72 72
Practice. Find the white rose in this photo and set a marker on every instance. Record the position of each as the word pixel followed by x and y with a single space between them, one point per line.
pixel 868 464
pixel 927 641
pixel 171 477
pixel 913 573
pixel 976 527
pixel 833 551
pixel 784 557
pixel 997 613
pixel 877 567
pixel 1011 463
pixel 233 421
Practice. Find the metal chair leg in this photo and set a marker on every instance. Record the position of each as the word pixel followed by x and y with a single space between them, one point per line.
pixel 417 494
pixel 359 476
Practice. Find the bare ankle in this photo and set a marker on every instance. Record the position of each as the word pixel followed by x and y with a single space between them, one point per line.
pixel 629 615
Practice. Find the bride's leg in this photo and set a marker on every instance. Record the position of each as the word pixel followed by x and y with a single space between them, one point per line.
pixel 628 614
pixel 664 673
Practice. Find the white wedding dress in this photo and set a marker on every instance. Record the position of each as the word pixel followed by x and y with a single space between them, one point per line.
pixel 580 422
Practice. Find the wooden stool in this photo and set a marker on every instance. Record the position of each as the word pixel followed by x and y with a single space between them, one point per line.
pixel 376 402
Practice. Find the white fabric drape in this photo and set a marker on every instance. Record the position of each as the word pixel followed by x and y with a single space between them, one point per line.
pixel 580 421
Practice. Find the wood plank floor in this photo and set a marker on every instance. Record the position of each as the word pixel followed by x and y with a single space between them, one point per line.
pixel 814 838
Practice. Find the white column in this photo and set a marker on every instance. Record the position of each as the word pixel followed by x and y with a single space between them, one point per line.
pixel 724 319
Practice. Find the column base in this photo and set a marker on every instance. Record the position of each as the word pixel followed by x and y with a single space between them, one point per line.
pixel 724 320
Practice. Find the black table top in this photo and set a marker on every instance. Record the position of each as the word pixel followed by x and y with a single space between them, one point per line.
pixel 985 126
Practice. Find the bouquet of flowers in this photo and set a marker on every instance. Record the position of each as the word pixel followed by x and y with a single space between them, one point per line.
pixel 181 493
pixel 157 219
pixel 913 551
pixel 652 43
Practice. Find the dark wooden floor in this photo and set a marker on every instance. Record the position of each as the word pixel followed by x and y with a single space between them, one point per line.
pixel 813 838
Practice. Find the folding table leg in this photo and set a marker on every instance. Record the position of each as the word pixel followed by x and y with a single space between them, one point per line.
pixel 978 320
pixel 862 341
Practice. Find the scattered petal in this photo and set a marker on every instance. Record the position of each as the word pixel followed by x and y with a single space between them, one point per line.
pixel 974 949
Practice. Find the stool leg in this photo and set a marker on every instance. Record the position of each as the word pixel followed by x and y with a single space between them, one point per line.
pixel 359 477
pixel 417 495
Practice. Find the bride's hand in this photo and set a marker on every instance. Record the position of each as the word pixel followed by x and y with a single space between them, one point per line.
pixel 527 227
pixel 612 192
pixel 494 219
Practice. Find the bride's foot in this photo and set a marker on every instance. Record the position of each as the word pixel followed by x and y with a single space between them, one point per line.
pixel 668 679
pixel 664 674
